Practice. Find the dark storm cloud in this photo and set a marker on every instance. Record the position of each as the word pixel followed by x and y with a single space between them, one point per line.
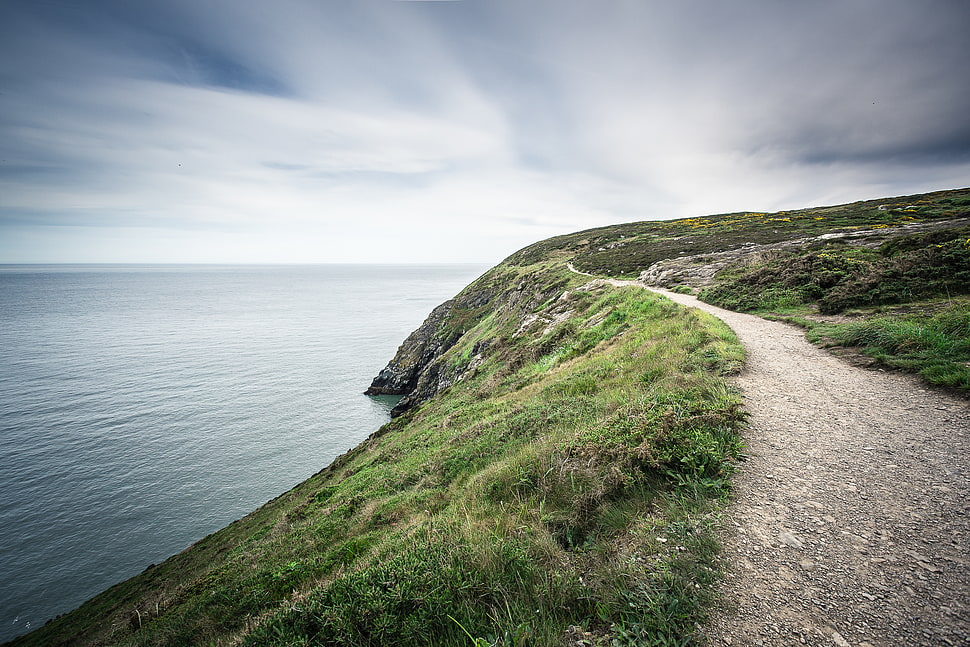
pixel 354 130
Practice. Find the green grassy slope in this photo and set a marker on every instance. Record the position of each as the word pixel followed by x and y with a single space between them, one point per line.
pixel 899 273
pixel 903 298
pixel 565 486
pixel 565 483
pixel 628 249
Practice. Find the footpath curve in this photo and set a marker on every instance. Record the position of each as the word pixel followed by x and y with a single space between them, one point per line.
pixel 850 523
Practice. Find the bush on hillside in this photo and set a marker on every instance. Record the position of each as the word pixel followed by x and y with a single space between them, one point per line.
pixel 839 277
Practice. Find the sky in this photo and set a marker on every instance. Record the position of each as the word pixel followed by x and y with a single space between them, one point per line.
pixel 390 131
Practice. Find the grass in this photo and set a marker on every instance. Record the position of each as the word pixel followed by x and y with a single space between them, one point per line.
pixel 892 290
pixel 937 346
pixel 628 249
pixel 840 276
pixel 569 481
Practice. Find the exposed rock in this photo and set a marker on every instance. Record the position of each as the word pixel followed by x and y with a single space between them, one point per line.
pixel 422 347
pixel 578 637
pixel 417 371
pixel 838 639
pixel 698 270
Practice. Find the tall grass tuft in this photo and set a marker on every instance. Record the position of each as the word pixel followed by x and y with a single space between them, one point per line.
pixel 936 347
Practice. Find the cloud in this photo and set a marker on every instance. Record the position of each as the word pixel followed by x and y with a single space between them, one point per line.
pixel 324 131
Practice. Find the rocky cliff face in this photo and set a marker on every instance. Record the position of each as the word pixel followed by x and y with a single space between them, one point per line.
pixel 415 371
pixel 419 370
pixel 422 347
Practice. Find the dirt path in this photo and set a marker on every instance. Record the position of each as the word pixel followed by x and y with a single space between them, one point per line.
pixel 851 523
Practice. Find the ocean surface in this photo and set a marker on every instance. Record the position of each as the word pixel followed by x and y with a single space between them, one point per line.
pixel 144 407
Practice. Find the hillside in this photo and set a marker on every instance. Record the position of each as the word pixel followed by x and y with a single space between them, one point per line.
pixel 557 463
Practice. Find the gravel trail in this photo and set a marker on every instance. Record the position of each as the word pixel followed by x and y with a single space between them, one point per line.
pixel 851 518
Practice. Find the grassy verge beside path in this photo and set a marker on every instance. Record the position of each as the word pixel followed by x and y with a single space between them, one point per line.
pixel 934 346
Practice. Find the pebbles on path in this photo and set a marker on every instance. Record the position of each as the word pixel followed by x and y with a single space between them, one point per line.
pixel 851 518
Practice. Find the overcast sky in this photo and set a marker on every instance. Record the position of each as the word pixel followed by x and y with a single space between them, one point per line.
pixel 442 131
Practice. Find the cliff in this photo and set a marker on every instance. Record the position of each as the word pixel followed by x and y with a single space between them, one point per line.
pixel 418 371
pixel 557 464
pixel 415 355
pixel 708 254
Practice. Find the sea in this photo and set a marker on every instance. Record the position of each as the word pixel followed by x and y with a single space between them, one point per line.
pixel 143 407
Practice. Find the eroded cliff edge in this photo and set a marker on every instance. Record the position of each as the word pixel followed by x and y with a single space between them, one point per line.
pixel 418 372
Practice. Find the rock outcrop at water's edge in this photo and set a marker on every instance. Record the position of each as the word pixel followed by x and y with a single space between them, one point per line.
pixel 421 348
pixel 418 371
pixel 415 372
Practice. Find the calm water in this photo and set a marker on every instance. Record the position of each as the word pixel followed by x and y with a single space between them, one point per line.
pixel 143 407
